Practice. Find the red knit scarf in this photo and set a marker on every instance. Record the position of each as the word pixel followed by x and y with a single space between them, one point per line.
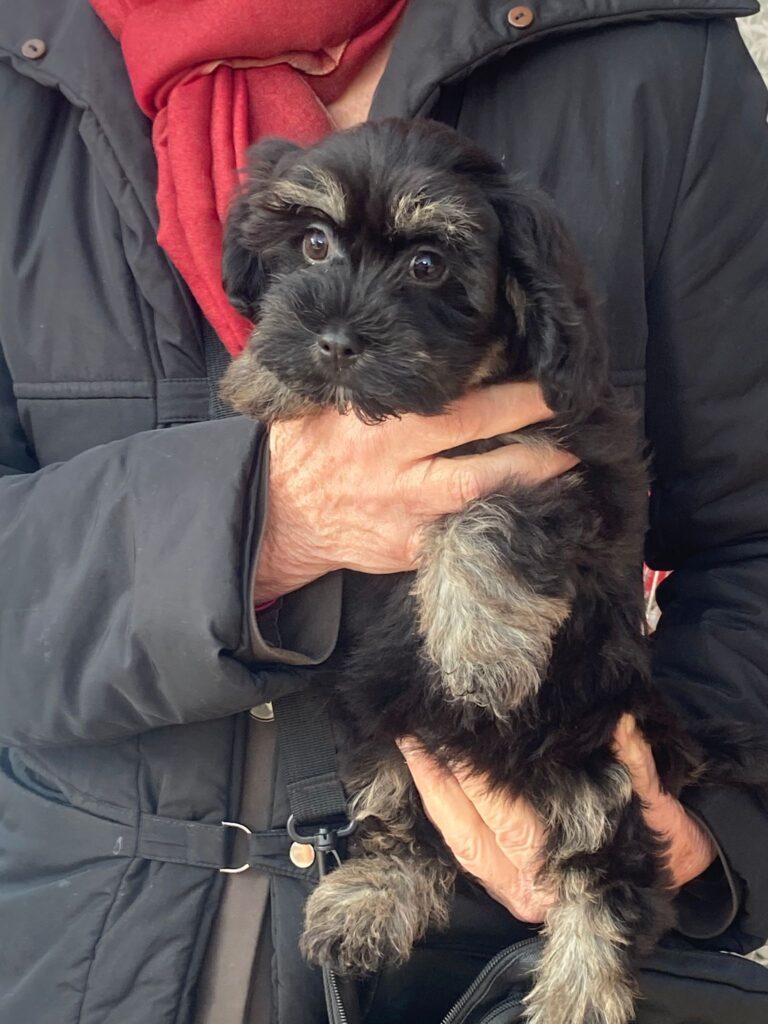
pixel 215 76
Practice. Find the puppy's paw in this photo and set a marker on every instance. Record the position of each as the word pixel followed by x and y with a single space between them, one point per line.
pixel 370 912
pixel 355 923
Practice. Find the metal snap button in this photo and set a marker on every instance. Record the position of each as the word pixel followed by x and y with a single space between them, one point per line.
pixel 520 17
pixel 33 49
pixel 302 855
pixel 263 712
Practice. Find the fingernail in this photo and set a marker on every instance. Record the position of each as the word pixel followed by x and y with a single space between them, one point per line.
pixel 626 727
pixel 409 748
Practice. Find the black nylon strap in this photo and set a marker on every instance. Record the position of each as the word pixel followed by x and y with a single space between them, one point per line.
pixel 308 758
pixel 183 842
pixel 198 844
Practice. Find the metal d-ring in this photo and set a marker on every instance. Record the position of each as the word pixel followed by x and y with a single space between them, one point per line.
pixel 243 828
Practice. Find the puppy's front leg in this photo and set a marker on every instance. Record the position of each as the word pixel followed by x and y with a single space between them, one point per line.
pixel 493 589
pixel 613 897
pixel 368 913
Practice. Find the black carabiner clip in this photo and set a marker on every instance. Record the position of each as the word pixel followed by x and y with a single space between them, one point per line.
pixel 324 840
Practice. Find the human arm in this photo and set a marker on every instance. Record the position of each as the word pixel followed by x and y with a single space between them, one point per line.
pixel 125 586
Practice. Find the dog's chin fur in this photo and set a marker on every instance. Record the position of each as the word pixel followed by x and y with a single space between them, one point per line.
pixel 255 390
pixel 252 389
pixel 519 642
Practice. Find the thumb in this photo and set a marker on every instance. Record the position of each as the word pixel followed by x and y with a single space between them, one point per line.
pixel 636 755
pixel 472 476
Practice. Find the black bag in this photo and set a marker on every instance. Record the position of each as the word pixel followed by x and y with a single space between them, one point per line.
pixel 677 986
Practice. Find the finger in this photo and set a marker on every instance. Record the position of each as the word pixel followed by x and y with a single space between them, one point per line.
pixel 519 831
pixel 472 476
pixel 447 807
pixel 454 816
pixel 635 753
pixel 520 835
pixel 690 849
pixel 470 840
pixel 485 412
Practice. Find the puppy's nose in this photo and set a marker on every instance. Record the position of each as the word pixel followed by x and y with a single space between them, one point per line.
pixel 339 347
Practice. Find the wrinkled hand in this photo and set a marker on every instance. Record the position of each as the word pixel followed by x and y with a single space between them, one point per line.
pixel 499 840
pixel 691 850
pixel 346 495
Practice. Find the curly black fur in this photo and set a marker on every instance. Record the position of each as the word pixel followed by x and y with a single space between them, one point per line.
pixel 521 642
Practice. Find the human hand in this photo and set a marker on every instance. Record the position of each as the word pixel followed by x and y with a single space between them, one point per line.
pixel 344 494
pixel 499 840
pixel 496 839
pixel 691 851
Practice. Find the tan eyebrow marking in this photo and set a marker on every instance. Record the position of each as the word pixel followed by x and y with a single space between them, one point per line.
pixel 448 218
pixel 324 194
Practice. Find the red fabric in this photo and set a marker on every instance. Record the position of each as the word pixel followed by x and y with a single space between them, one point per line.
pixel 217 75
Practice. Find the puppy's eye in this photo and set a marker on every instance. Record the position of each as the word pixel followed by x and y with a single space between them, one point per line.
pixel 315 245
pixel 428 266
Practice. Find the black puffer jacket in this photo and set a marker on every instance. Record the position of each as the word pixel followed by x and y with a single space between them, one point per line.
pixel 127 651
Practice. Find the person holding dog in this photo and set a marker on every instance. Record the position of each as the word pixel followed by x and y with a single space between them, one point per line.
pixel 134 558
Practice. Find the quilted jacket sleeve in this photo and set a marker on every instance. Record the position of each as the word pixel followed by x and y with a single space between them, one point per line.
pixel 126 584
pixel 707 416
pixel 125 570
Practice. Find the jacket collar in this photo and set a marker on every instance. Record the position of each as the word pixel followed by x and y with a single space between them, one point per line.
pixel 441 43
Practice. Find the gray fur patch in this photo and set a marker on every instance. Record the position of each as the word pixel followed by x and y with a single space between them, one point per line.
pixel 490 366
pixel 487 632
pixel 583 975
pixel 386 798
pixel 517 299
pixel 584 812
pixel 542 441
pixel 370 911
pixel 255 391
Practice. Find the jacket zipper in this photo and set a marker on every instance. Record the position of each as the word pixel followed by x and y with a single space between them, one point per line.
pixel 506 954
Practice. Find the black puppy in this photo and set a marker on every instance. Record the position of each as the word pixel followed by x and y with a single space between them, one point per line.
pixel 389 269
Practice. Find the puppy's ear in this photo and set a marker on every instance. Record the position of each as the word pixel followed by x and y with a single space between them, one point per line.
pixel 243 273
pixel 551 309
